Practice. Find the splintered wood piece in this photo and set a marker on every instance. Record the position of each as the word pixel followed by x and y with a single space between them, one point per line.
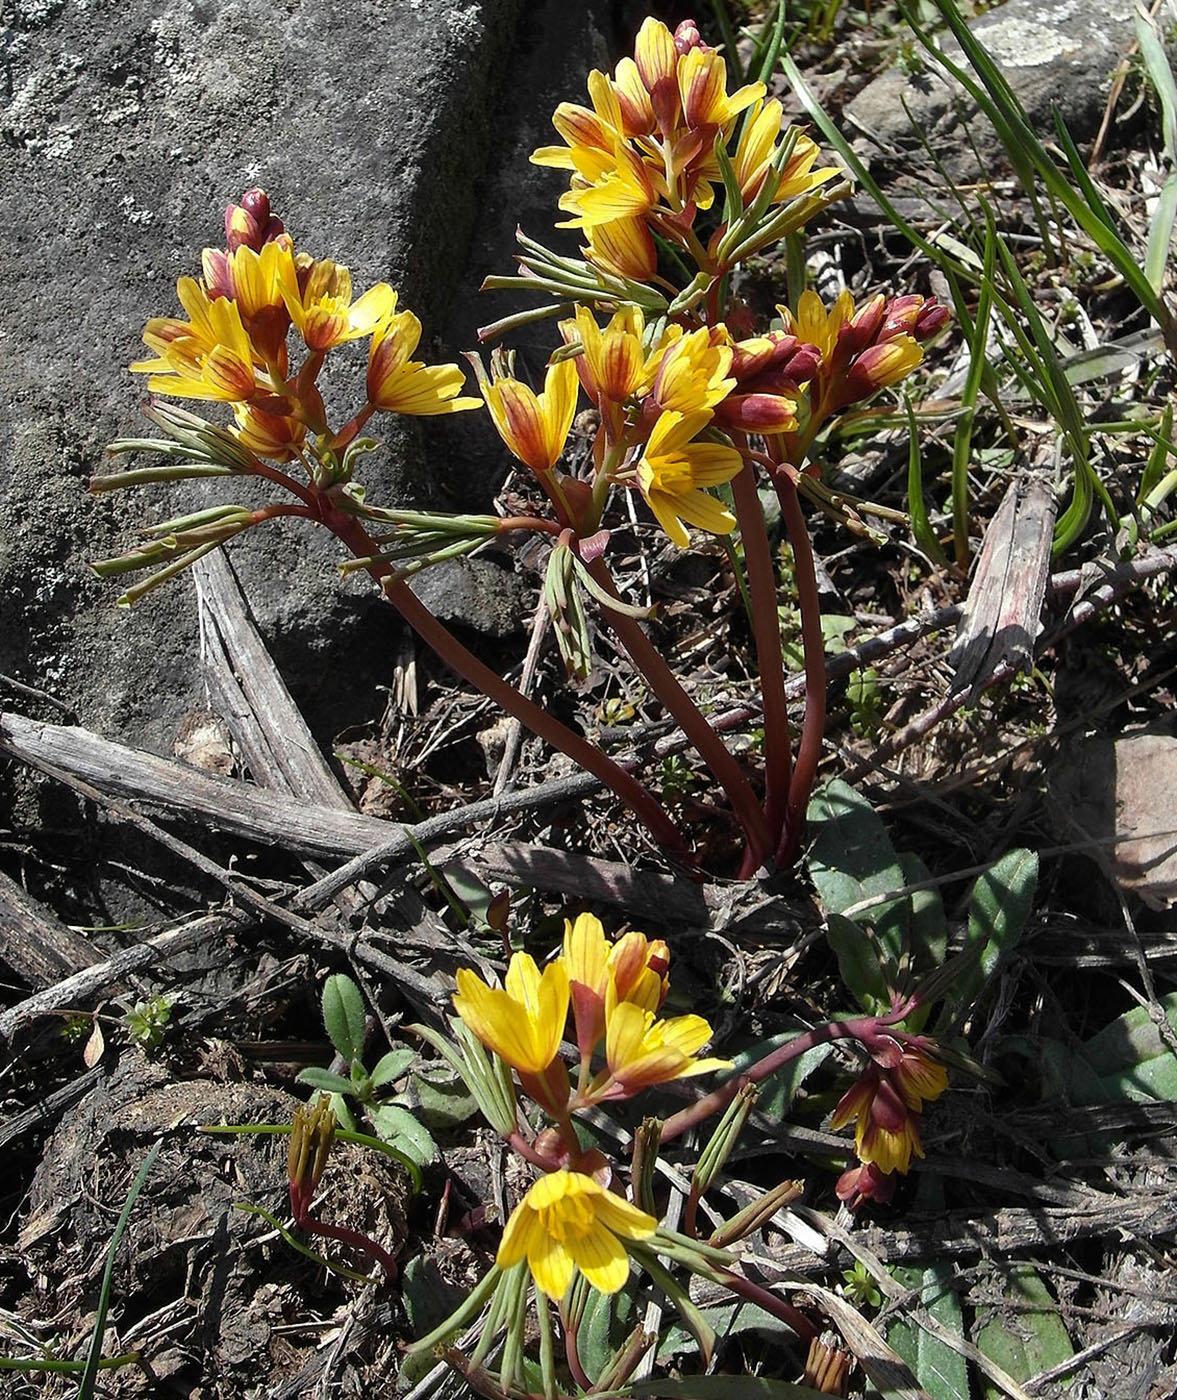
pixel 251 696
pixel 270 818
pixel 35 943
pixel 1004 605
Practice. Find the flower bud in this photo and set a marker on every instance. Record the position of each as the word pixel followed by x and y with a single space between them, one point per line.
pixel 932 319
pixel 865 1183
pixel 687 36
pixel 250 222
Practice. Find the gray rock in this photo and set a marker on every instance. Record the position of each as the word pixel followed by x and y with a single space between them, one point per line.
pixel 377 127
pixel 1051 51
pixel 474 593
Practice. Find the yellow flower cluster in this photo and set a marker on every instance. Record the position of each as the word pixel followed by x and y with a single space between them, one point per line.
pixel 233 348
pixel 614 991
pixel 569 1219
pixel 885 1103
pixel 643 157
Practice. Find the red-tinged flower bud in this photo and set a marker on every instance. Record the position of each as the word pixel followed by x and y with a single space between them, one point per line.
pixel 757 413
pixel 857 333
pixel 865 1183
pixel 880 366
pixel 218 272
pixel 899 317
pixel 761 353
pixel 251 222
pixel 687 37
pixel 932 319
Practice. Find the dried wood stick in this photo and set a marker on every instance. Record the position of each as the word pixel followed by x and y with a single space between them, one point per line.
pixel 251 695
pixel 35 943
pixel 91 981
pixel 241 808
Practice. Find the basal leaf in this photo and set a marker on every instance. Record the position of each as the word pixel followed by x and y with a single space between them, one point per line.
pixel 938 1368
pixel 343 1016
pixel 1030 1337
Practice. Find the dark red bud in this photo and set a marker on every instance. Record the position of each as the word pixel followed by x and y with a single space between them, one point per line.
pixel 931 320
pixel 256 202
pixel 687 37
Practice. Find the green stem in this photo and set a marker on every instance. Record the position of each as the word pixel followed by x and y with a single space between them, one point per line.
pixel 778 748
pixel 348 529
pixel 813 725
pixel 690 720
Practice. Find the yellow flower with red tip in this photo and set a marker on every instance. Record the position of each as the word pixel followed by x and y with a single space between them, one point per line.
pixel 208 357
pixel 568 1221
pixel 274 435
pixel 673 471
pixel 702 87
pixel 320 304
pixel 635 967
pixel 399 384
pixel 612 362
pixel 886 1101
pixel 534 426
pixel 641 1050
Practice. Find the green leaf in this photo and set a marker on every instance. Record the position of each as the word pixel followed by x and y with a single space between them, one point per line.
pixel 319 1078
pixel 606 1322
pixel 443 1100
pixel 858 962
pixel 851 861
pixel 391 1066
pixel 1030 1339
pixel 938 1368
pixel 1002 900
pixel 929 926
pixel 779 1090
pixel 343 1016
pixel 1132 1060
pixel 397 1127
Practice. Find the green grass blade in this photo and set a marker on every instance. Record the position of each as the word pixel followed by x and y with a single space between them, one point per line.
pixel 728 35
pixel 978 364
pixel 94 1357
pixel 921 526
pixel 1160 73
pixel 772 49
pixel 997 100
pixel 1160 234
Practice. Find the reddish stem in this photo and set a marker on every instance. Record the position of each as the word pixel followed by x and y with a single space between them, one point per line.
pixel 813 644
pixel 663 682
pixel 353 1238
pixel 856 1028
pixel 766 627
pixel 348 529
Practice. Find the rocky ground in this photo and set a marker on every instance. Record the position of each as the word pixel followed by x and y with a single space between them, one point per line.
pixel 394 136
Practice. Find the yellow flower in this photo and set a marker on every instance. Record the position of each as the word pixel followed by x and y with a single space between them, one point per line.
pixel 812 323
pixel 692 374
pixel 608 185
pixel 673 469
pixel 641 1050
pixel 320 304
pixel 623 247
pixel 634 969
pixel 638 967
pixel 613 361
pixel 523 1022
pixel 568 1221
pixel 886 1102
pixel 702 86
pixel 208 357
pixel 583 130
pixel 754 153
pixel 534 426
pixel 272 435
pixel 398 384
